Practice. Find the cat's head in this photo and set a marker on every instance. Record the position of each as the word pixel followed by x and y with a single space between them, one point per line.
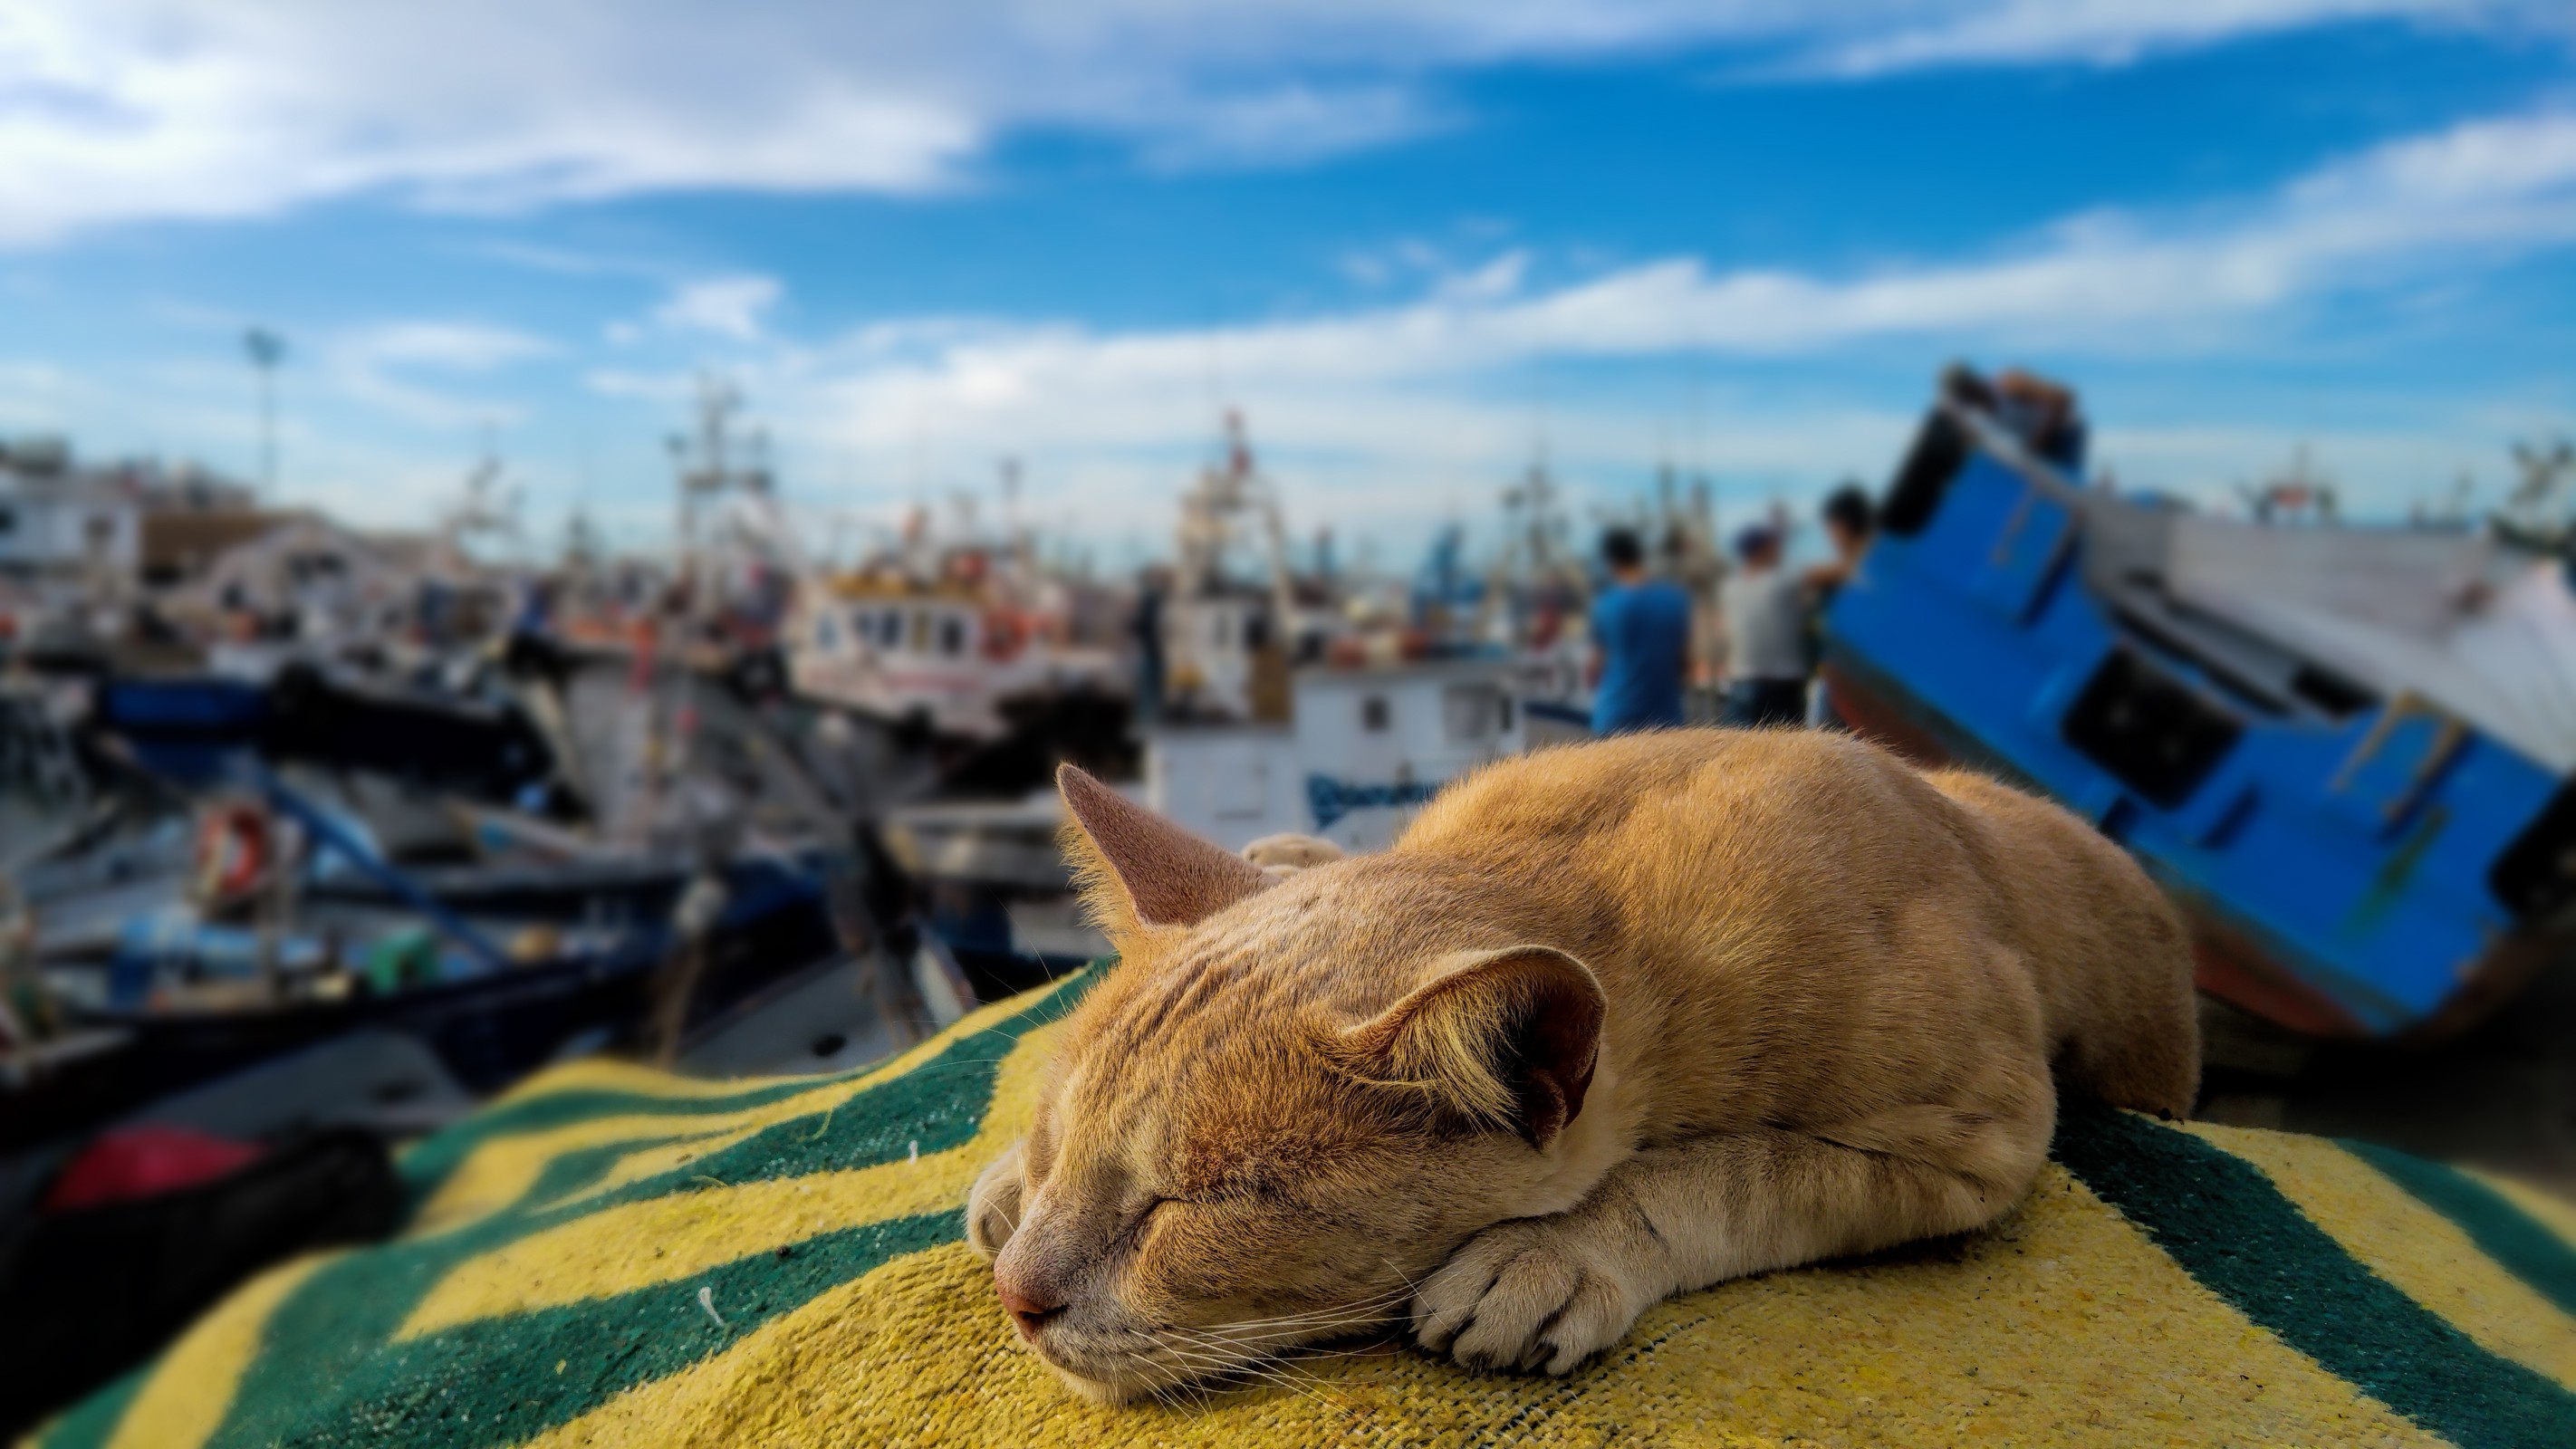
pixel 1289 1102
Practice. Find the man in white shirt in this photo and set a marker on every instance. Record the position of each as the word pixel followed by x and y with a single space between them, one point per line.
pixel 1766 643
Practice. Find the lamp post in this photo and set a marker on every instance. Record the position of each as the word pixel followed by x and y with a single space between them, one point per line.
pixel 266 350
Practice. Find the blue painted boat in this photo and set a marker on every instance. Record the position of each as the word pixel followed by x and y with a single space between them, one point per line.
pixel 197 729
pixel 2359 857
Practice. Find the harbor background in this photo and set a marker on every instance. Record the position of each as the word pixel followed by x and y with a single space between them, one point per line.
pixel 595 547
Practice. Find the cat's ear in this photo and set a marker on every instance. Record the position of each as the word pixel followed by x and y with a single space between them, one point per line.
pixel 1138 870
pixel 1505 1039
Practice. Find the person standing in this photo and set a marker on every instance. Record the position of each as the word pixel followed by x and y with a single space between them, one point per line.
pixel 1151 587
pixel 1641 637
pixel 1766 644
pixel 1849 523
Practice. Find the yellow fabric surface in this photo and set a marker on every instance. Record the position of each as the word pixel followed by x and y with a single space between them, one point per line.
pixel 185 1401
pixel 2412 1246
pixel 2064 1327
pixel 611 1257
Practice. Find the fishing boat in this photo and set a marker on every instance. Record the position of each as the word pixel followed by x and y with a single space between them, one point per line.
pixel 1364 748
pixel 2345 751
pixel 949 656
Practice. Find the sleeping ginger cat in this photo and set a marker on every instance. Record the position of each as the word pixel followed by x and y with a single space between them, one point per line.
pixel 1609 1023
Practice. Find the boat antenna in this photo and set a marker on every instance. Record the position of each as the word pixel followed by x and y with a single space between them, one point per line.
pixel 266 349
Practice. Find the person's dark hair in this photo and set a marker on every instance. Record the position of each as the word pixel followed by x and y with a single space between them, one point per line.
pixel 1964 388
pixel 1848 508
pixel 1621 550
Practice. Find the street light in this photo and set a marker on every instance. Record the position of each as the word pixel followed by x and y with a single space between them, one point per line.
pixel 266 350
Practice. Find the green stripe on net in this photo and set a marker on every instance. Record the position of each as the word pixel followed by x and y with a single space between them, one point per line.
pixel 2502 1231
pixel 2231 1229
pixel 495 1381
pixel 329 1371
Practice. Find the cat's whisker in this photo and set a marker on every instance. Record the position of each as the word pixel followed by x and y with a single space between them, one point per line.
pixel 1286 1376
pixel 1287 1371
pixel 1316 1331
pixel 1196 1368
pixel 1345 1310
pixel 1262 1364
pixel 1369 1303
pixel 1186 1394
pixel 1271 1372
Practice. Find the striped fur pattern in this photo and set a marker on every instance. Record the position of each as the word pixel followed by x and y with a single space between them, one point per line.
pixel 1609 1022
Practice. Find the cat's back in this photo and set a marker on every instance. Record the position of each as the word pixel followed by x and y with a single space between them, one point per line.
pixel 1750 802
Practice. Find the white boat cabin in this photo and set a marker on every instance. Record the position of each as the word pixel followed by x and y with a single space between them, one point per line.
pixel 900 655
pixel 1364 749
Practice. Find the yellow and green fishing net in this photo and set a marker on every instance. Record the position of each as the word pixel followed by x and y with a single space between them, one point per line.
pixel 609 1256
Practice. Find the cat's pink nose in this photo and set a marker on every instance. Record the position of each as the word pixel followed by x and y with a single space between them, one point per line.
pixel 1029 1310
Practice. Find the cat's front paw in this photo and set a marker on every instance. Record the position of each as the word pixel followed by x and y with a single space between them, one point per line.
pixel 1281 856
pixel 1536 1293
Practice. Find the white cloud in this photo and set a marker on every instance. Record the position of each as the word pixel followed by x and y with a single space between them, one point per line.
pixel 2106 283
pixel 1393 409
pixel 1292 122
pixel 381 366
pixel 118 110
pixel 725 306
pixel 2105 32
pixel 457 346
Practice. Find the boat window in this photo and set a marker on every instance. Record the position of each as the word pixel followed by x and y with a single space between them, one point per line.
pixel 890 628
pixel 1373 713
pixel 8 520
pixel 2149 728
pixel 921 631
pixel 1470 712
pixel 826 633
pixel 952 636
pixel 1256 632
pixel 2331 692
pixel 2532 875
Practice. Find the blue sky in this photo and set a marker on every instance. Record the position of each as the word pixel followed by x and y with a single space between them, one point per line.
pixel 1409 238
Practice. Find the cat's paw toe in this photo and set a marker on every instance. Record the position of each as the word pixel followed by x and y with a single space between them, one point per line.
pixel 1518 1296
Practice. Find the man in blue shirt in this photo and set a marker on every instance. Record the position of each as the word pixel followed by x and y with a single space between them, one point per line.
pixel 1641 627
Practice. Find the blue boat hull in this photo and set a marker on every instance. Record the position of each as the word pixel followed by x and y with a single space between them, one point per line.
pixel 2348 874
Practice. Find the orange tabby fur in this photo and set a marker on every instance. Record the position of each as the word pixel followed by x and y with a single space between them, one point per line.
pixel 1609 1022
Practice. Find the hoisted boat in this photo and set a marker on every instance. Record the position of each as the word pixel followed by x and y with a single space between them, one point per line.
pixel 2345 751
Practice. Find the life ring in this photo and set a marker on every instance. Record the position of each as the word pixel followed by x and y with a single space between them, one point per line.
pixel 233 848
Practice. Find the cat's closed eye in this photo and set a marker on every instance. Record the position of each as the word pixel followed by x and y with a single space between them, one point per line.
pixel 1146 1217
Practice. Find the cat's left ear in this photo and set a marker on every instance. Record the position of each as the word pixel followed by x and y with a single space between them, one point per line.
pixel 1507 1039
pixel 1139 870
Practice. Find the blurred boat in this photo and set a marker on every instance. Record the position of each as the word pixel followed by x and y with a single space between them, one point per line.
pixel 496 970
pixel 192 729
pixel 250 868
pixel 993 896
pixel 949 657
pixel 1364 747
pixel 2344 751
